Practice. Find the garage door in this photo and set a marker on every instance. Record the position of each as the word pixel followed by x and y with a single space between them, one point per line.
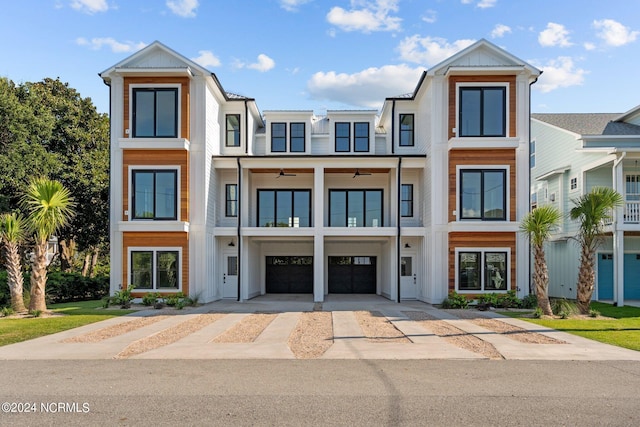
pixel 631 275
pixel 289 275
pixel 352 275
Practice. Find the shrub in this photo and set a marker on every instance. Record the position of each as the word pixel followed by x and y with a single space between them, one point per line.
pixel 173 299
pixel 455 300
pixel 123 297
pixel 488 300
pixel 538 313
pixel 6 311
pixel 508 300
pixel 563 307
pixel 594 313
pixel 530 301
pixel 150 298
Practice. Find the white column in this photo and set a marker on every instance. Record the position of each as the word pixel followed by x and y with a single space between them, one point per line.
pixel 318 239
pixel 618 238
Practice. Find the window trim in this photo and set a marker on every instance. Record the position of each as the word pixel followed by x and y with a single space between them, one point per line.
pixel 226 130
pixel 404 131
pixel 577 181
pixel 227 213
pixel 275 204
pixel 133 88
pixel 304 137
pixel 483 168
pixel 356 138
pixel 348 137
pixel 284 137
pixel 483 251
pixel 153 168
pixel 481 85
pixel 155 250
pixel 532 153
pixel 402 215
pixel 364 202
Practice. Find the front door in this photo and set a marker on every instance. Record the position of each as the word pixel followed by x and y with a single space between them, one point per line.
pixel 230 276
pixel 408 277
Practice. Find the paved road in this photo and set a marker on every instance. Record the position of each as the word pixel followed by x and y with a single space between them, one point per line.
pixel 325 392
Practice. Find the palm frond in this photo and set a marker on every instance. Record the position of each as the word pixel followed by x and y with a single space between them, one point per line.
pixel 12 228
pixel 540 222
pixel 49 205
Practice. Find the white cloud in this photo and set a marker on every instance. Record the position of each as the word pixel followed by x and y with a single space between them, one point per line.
pixel 500 30
pixel 554 35
pixel 207 59
pixel 367 88
pixel 264 64
pixel 589 46
pixel 184 8
pixel 559 72
pixel 98 43
pixel 292 5
pixel 614 33
pixel 372 16
pixel 430 16
pixel 484 4
pixel 90 6
pixel 429 50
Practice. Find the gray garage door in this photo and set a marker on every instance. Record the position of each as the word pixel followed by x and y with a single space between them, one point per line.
pixel 289 275
pixel 352 275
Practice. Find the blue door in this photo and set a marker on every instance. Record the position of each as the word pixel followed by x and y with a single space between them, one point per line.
pixel 632 276
pixel 605 276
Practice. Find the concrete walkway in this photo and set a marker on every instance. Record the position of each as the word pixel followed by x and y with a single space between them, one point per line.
pixel 349 340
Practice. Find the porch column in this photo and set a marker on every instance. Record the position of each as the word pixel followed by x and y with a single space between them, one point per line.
pixel 318 238
pixel 618 236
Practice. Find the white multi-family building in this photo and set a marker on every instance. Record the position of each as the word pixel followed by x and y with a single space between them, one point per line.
pixel 212 197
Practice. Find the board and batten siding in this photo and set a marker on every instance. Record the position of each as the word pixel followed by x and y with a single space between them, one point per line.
pixel 497 157
pixel 481 240
pixel 158 158
pixel 151 240
pixel 184 101
pixel 453 106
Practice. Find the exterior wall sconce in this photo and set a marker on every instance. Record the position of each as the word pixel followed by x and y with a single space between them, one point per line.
pixel 407 246
pixel 231 244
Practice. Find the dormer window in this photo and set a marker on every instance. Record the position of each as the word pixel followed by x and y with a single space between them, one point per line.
pixel 482 111
pixel 155 113
pixel 233 130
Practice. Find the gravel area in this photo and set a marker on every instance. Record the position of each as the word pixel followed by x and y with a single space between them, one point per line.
pixel 377 328
pixel 510 331
pixel 115 330
pixel 313 335
pixel 169 335
pixel 454 335
pixel 247 330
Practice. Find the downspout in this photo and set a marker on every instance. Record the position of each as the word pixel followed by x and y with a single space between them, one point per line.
pixel 238 234
pixel 246 127
pixel 529 195
pixel 398 246
pixel 393 126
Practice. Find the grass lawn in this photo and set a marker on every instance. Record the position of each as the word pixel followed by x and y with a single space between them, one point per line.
pixel 78 314
pixel 623 330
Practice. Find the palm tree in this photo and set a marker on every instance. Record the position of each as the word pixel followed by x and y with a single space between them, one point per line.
pixel 12 234
pixel 50 207
pixel 538 225
pixel 592 210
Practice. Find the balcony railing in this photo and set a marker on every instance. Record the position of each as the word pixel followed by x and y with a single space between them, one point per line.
pixel 632 212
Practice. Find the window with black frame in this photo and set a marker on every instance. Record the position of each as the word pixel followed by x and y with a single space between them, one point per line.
pixel 278 137
pixel 231 200
pixel 483 194
pixel 232 130
pixel 154 194
pixel 155 269
pixel 284 208
pixel 482 111
pixel 361 136
pixel 155 112
pixel 343 137
pixel 406 200
pixel 355 208
pixel 297 143
pixel 406 130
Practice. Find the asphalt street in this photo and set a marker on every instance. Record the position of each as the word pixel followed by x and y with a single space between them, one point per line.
pixel 320 392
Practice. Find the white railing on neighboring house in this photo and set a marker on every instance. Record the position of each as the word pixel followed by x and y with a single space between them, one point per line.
pixel 632 212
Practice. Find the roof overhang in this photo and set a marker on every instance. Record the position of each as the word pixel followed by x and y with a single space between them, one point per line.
pixel 549 174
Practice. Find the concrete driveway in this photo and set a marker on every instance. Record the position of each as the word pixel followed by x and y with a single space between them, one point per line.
pixel 420 332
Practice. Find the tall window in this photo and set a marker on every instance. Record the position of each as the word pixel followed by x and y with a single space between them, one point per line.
pixel 284 208
pixel 355 208
pixel 155 269
pixel 482 111
pixel 233 130
pixel 532 154
pixel 231 200
pixel 632 188
pixel 155 113
pixel 406 200
pixel 406 130
pixel 154 194
pixel 343 137
pixel 361 136
pixel 482 270
pixel 483 194
pixel 278 137
pixel 297 137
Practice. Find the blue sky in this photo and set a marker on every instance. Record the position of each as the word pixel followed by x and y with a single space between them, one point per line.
pixel 332 54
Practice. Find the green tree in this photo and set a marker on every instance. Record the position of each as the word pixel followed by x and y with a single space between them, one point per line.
pixel 50 207
pixel 538 225
pixel 591 210
pixel 12 234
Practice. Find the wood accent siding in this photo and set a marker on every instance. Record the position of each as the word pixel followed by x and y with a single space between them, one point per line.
pixel 156 239
pixel 482 157
pixel 157 158
pixel 453 107
pixel 183 104
pixel 481 240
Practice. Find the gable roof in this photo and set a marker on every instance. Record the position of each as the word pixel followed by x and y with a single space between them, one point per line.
pixel 589 123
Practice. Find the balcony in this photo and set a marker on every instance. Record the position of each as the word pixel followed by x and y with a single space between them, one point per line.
pixel 632 212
